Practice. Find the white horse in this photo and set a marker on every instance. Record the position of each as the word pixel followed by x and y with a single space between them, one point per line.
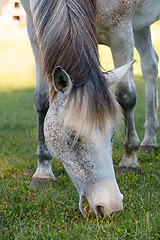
pixel 80 123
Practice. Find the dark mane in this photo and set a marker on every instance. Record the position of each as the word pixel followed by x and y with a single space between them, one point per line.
pixel 66 35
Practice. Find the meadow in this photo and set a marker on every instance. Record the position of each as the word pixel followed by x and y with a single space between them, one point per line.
pixel 53 213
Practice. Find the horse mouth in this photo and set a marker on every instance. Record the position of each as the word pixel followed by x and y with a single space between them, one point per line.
pixel 85 207
pixel 99 211
pixel 89 212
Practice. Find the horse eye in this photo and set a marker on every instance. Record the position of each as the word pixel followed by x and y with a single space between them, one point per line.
pixel 72 139
pixel 72 136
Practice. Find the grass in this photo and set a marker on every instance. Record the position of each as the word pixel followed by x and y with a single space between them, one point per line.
pixel 53 213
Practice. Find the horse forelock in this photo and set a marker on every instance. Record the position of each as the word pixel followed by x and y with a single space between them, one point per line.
pixel 66 34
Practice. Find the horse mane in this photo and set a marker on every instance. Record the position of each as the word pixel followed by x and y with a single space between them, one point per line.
pixel 66 35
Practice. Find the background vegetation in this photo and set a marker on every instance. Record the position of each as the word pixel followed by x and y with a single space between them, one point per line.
pixel 53 213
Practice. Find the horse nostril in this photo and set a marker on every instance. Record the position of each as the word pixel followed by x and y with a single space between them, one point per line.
pixel 99 210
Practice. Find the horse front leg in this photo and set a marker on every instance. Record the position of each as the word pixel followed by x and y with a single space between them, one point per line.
pixel 121 42
pixel 43 174
pixel 126 96
pixel 149 65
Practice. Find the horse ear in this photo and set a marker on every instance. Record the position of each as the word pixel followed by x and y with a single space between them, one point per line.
pixel 118 74
pixel 61 81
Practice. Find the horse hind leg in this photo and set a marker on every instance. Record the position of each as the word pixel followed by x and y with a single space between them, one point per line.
pixel 43 175
pixel 149 65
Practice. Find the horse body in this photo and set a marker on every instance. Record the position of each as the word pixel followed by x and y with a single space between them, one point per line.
pixel 146 14
pixel 141 13
pixel 79 123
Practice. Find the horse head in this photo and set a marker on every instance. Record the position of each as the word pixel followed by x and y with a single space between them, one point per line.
pixel 86 158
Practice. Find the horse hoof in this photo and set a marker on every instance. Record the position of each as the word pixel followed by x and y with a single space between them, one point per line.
pixel 127 170
pixel 148 149
pixel 42 182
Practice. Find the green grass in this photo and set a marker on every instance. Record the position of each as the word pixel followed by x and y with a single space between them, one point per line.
pixel 53 213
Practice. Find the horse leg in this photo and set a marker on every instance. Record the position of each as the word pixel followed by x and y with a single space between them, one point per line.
pixel 43 174
pixel 121 42
pixel 149 65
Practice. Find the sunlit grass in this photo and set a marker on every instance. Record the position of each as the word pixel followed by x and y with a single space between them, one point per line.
pixel 17 67
pixel 16 54
pixel 17 80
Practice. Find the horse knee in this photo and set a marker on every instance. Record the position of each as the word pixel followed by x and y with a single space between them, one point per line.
pixel 126 98
pixel 41 102
pixel 150 68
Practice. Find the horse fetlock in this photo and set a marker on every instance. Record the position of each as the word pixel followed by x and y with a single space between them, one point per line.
pixel 43 154
pixel 132 144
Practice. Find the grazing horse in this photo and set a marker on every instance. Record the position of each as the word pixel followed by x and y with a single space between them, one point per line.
pixel 82 116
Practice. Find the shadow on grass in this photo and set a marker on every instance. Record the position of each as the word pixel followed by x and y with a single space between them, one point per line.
pixel 17 111
pixel 18 127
